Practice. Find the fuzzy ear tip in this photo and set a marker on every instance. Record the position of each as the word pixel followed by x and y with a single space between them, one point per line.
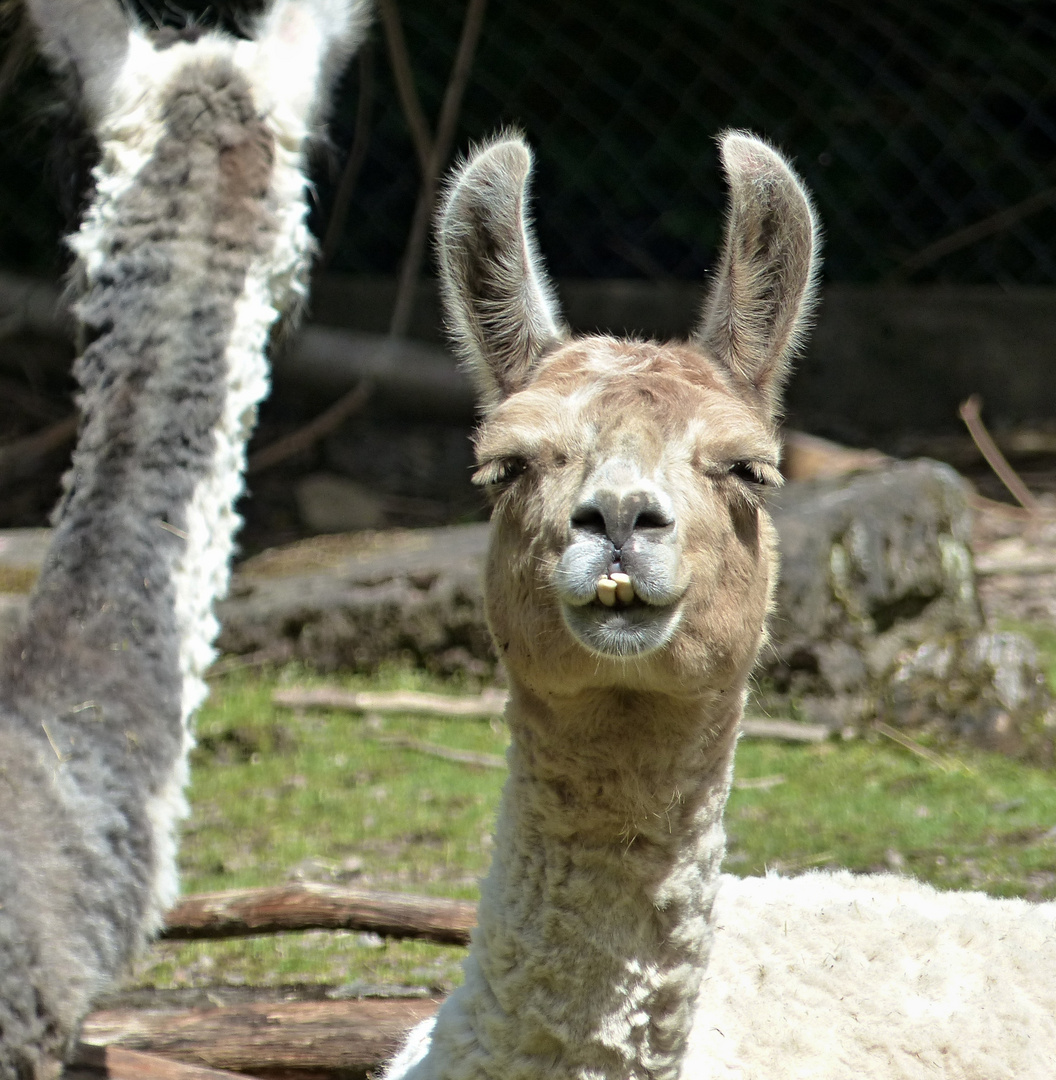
pixel 507 152
pixel 743 152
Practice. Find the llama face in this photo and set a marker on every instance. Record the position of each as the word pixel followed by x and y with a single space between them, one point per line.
pixel 627 477
pixel 634 464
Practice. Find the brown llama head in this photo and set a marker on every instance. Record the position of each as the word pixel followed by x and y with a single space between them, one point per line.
pixel 630 547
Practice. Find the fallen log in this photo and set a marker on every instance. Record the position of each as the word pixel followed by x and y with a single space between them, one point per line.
pixel 312 906
pixel 119 1063
pixel 761 727
pixel 304 1039
pixel 489 703
pixel 413 375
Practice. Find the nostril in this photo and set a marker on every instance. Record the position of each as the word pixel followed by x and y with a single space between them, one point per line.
pixel 589 519
pixel 653 519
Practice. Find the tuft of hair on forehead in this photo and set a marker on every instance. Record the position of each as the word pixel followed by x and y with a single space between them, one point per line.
pixel 500 307
pixel 498 302
pixel 759 307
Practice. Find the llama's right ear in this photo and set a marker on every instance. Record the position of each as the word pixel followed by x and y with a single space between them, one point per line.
pixel 86 39
pixel 498 303
pixel 302 46
pixel 759 307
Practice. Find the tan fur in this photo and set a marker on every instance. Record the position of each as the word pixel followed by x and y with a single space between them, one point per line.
pixel 655 410
pixel 759 307
pixel 613 464
pixel 514 315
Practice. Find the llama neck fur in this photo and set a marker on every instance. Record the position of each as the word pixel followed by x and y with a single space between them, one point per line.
pixel 194 244
pixel 594 921
pixel 231 118
pixel 186 141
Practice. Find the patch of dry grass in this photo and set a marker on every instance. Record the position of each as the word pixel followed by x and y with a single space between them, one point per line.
pixel 277 794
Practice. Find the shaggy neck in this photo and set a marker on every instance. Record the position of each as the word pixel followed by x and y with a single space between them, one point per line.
pixel 594 922
pixel 195 237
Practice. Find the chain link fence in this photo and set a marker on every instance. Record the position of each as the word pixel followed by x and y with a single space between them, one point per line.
pixel 927 130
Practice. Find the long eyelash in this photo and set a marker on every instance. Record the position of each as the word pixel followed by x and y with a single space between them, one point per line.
pixel 759 474
pixel 746 471
pixel 495 475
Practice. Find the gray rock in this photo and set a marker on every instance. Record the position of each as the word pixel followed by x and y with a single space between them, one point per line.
pixel 877 616
pixel 986 688
pixel 869 564
pixel 414 596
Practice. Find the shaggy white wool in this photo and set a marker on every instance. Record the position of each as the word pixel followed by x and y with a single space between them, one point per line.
pixel 831 975
pixel 287 69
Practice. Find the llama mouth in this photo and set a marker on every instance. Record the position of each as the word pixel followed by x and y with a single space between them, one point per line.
pixel 633 628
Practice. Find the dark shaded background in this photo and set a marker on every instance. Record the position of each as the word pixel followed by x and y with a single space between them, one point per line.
pixel 927 132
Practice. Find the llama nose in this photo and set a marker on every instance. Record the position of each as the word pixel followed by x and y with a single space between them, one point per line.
pixel 619 515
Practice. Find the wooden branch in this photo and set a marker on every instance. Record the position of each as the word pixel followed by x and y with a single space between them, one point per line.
pixel 914 747
pixel 971 414
pixel 490 703
pixel 289 1039
pixel 984 505
pixel 357 154
pixel 978 230
pixel 759 727
pixel 1014 568
pixel 414 253
pixel 493 703
pixel 318 428
pixel 406 89
pixel 463 757
pixel 119 1063
pixel 311 906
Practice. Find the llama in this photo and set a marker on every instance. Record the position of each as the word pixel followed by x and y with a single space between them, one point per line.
pixel 627 583
pixel 194 243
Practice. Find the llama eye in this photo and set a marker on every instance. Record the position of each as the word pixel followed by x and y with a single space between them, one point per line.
pixel 497 474
pixel 511 469
pixel 747 471
pixel 757 474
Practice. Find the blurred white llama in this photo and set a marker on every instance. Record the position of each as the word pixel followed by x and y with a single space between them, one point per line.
pixel 194 243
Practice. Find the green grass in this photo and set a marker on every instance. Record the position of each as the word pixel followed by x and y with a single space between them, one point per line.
pixel 276 794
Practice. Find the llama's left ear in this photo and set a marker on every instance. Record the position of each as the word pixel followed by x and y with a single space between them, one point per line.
pixel 87 39
pixel 302 47
pixel 498 302
pixel 758 310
